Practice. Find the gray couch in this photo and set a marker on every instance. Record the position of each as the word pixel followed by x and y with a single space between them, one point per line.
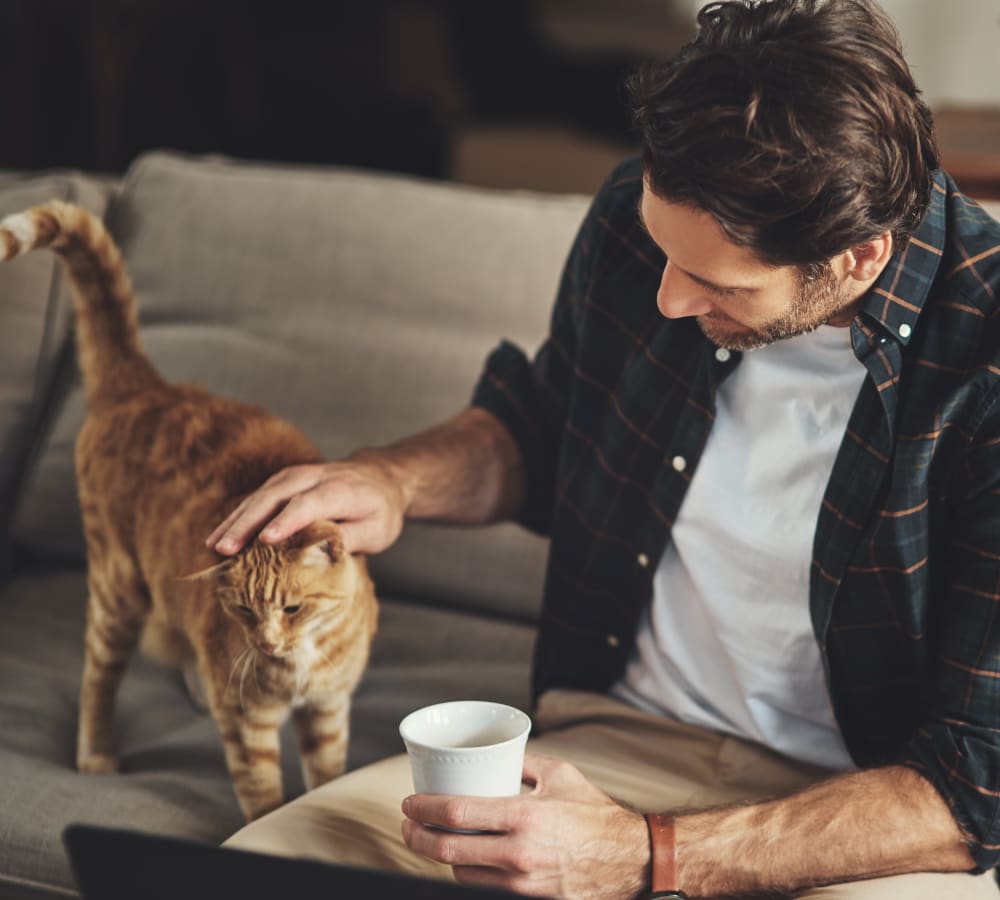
pixel 358 306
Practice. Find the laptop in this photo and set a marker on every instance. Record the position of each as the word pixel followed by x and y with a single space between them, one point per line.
pixel 116 864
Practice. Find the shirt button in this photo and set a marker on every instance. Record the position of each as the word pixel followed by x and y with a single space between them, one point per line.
pixel 643 560
pixel 905 331
pixel 722 354
pixel 679 463
pixel 612 640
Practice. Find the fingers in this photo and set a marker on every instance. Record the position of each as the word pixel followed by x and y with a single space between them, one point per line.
pixel 540 770
pixel 299 512
pixel 244 521
pixel 469 813
pixel 367 536
pixel 450 848
pixel 360 498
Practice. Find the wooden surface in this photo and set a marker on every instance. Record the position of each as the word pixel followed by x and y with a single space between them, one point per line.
pixel 969 141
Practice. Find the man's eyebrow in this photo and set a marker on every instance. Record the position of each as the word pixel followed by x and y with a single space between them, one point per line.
pixel 704 282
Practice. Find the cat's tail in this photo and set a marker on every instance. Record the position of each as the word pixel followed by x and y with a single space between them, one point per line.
pixel 110 353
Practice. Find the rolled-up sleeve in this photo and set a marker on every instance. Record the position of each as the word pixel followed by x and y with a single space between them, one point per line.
pixel 958 746
pixel 532 397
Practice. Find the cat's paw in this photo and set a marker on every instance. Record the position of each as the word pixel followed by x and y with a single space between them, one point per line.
pixel 97 764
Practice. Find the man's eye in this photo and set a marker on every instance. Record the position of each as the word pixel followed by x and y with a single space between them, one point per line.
pixel 292 610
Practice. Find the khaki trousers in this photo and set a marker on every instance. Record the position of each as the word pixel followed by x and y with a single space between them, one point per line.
pixel 649 762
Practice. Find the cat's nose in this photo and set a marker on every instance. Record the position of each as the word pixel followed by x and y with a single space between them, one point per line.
pixel 267 646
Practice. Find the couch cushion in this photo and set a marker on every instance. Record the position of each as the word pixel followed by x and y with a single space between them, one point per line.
pixel 34 319
pixel 174 780
pixel 358 306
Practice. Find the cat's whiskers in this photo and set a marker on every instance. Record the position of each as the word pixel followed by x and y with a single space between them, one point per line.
pixel 246 664
pixel 299 670
pixel 235 666
pixel 253 667
pixel 324 622
pixel 324 657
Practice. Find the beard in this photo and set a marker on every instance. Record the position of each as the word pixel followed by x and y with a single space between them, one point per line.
pixel 818 299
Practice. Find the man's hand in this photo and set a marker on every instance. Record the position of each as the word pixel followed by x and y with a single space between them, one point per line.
pixel 467 470
pixel 362 494
pixel 564 839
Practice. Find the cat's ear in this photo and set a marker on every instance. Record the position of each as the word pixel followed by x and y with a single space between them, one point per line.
pixel 321 544
pixel 212 573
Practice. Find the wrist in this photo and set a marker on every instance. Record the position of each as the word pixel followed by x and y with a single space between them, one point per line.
pixel 391 472
pixel 664 878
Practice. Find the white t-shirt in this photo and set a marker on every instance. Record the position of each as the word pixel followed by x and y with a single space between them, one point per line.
pixel 727 642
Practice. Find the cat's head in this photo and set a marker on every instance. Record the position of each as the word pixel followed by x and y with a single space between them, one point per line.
pixel 283 595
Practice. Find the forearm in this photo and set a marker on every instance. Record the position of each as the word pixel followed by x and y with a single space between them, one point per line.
pixel 860 825
pixel 467 470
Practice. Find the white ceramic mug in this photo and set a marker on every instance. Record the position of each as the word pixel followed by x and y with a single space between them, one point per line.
pixel 473 748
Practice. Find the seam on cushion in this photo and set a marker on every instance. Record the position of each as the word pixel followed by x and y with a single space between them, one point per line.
pixel 47 393
pixel 34 407
pixel 48 327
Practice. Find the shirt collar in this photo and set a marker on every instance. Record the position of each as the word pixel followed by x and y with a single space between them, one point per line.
pixel 897 297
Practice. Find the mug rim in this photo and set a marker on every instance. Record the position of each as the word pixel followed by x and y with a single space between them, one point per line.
pixel 407 720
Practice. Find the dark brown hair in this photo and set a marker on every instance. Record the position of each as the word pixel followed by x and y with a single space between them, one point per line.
pixel 795 123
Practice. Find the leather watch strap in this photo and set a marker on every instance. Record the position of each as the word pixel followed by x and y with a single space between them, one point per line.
pixel 663 846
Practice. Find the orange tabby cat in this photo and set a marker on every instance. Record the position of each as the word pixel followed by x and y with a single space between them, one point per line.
pixel 158 466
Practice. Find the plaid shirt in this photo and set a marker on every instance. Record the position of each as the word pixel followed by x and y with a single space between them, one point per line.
pixel 613 414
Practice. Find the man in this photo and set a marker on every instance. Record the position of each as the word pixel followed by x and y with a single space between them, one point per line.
pixel 764 436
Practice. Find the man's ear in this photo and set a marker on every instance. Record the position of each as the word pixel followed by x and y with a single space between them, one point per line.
pixel 212 573
pixel 866 261
pixel 321 544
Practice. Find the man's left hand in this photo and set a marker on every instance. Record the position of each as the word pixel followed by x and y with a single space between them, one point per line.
pixel 563 839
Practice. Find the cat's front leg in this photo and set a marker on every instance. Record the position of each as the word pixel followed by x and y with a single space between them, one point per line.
pixel 322 727
pixel 250 740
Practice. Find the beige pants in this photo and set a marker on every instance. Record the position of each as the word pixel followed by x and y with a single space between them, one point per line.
pixel 646 761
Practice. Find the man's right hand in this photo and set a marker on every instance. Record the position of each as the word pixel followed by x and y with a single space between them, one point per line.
pixel 363 494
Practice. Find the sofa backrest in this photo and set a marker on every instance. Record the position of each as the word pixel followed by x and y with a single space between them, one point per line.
pixel 358 306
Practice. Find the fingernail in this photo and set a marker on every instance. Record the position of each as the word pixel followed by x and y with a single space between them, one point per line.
pixel 406 806
pixel 226 546
pixel 269 533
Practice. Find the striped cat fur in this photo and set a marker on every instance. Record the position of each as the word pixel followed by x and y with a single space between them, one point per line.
pixel 276 630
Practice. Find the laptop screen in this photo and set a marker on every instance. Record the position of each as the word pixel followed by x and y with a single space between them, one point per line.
pixel 113 864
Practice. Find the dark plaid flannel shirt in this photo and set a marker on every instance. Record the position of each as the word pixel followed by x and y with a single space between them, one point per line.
pixel 905 585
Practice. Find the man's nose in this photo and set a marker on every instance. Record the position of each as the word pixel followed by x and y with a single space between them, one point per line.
pixel 679 296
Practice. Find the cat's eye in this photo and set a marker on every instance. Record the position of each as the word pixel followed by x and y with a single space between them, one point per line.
pixel 245 610
pixel 292 610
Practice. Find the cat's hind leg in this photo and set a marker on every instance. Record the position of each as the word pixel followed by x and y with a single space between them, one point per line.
pixel 322 727
pixel 116 610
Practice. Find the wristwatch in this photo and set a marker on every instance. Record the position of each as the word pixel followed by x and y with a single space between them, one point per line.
pixel 663 844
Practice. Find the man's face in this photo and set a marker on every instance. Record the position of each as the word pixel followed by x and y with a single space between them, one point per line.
pixel 740 302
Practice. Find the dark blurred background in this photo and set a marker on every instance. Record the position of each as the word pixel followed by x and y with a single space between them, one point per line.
pixel 525 93
pixel 421 86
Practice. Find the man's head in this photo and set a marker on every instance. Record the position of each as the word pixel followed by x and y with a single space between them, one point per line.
pixel 796 125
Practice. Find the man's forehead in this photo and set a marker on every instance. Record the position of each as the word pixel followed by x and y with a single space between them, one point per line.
pixel 695 242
